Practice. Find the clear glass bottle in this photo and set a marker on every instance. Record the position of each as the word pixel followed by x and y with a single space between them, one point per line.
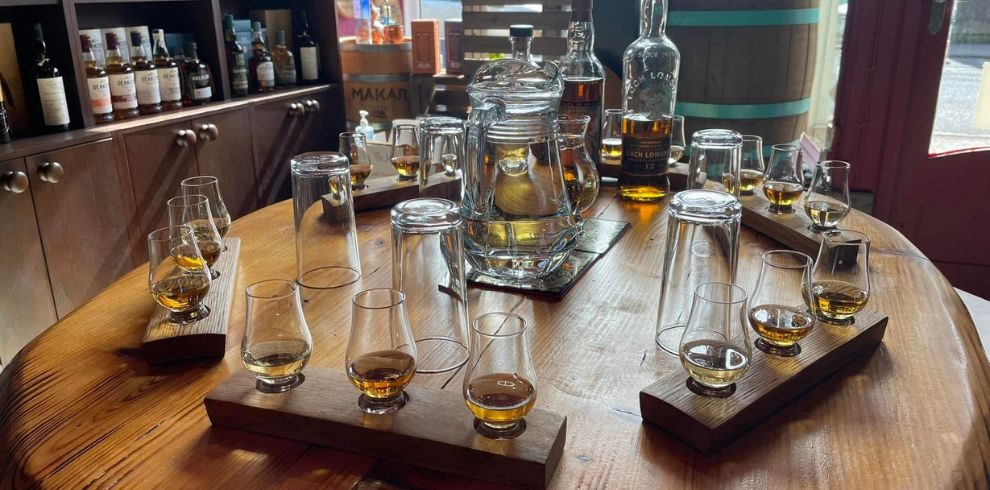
pixel 169 79
pixel 98 83
pixel 123 93
pixel 261 68
pixel 145 78
pixel 649 69
pixel 285 62
pixel 51 88
pixel 309 53
pixel 236 62
pixel 584 76
pixel 198 78
pixel 521 39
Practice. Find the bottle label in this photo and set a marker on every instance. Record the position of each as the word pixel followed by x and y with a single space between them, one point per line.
pixel 645 155
pixel 287 74
pixel 147 87
pixel 201 86
pixel 266 74
pixel 122 91
pixel 53 104
pixel 309 63
pixel 168 84
pixel 99 95
pixel 239 74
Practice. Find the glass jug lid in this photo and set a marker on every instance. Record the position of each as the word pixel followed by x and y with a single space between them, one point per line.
pixel 523 87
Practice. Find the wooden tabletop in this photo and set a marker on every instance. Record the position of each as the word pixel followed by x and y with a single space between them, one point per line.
pixel 80 407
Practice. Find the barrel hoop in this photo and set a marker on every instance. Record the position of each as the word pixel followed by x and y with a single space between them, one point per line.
pixel 743 111
pixel 742 18
pixel 374 78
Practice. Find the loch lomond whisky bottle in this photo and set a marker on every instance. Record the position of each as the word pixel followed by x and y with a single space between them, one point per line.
pixel 649 92
pixel 123 94
pixel 584 77
pixel 51 89
pixel 98 83
pixel 198 78
pixel 261 68
pixel 169 78
pixel 145 78
pixel 236 61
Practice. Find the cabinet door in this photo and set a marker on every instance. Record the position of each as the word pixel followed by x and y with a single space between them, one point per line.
pixel 277 132
pixel 223 151
pixel 26 306
pixel 157 159
pixel 323 124
pixel 79 201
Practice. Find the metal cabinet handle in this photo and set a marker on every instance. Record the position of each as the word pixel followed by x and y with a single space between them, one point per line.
pixel 185 138
pixel 16 182
pixel 296 109
pixel 51 172
pixel 208 132
pixel 312 106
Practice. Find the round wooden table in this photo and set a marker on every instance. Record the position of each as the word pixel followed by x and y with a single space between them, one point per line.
pixel 79 406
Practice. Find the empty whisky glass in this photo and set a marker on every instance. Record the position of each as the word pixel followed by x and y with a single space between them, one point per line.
pixel 677 143
pixel 354 146
pixel 178 276
pixel 381 354
pixel 782 180
pixel 840 281
pixel 780 310
pixel 715 154
pixel 209 186
pixel 612 137
pixel 194 210
pixel 405 151
pixel 500 382
pixel 580 174
pixel 441 146
pixel 715 347
pixel 277 343
pixel 827 201
pixel 751 168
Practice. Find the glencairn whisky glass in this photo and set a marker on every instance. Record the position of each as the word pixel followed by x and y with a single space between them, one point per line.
pixel 677 143
pixel 827 202
pixel 381 354
pixel 177 274
pixel 500 382
pixel 612 137
pixel 840 281
pixel 751 168
pixel 782 181
pixel 354 146
pixel 209 186
pixel 405 151
pixel 780 310
pixel 277 343
pixel 715 347
pixel 194 210
pixel 580 174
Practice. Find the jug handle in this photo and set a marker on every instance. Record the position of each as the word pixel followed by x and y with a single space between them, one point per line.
pixel 490 112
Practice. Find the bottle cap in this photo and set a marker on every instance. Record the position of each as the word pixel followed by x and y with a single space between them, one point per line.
pixel 228 21
pixel 111 40
pixel 521 30
pixel 190 48
pixel 85 43
pixel 280 37
pixel 38 34
pixel 256 26
pixel 135 38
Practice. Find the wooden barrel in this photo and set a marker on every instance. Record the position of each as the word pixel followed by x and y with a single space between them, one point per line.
pixel 376 79
pixel 746 66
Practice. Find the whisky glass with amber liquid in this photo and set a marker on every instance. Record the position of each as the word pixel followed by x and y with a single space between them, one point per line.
pixel 405 151
pixel 580 174
pixel 277 343
pixel 827 201
pixel 780 310
pixel 354 146
pixel 194 210
pixel 611 152
pixel 209 186
pixel 715 349
pixel 500 382
pixel 782 181
pixel 840 281
pixel 751 166
pixel 177 274
pixel 381 352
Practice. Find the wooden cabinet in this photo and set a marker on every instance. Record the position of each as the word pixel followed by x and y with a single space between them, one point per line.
pixel 26 305
pixel 324 122
pixel 79 203
pixel 224 152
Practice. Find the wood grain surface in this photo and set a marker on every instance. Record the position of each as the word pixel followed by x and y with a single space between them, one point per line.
pixel 80 407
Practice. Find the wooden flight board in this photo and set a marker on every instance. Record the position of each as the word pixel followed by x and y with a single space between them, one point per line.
pixel 790 229
pixel 433 430
pixel 167 342
pixel 709 423
pixel 383 192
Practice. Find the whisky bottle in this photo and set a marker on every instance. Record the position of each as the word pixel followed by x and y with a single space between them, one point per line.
pixel 169 79
pixel 285 62
pixel 145 78
pixel 98 83
pixel 51 89
pixel 309 51
pixel 198 78
pixel 261 69
pixel 584 76
pixel 236 62
pixel 649 69
pixel 123 93
pixel 521 38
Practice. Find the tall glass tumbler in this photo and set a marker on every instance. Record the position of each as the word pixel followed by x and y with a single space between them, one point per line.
pixel 715 154
pixel 441 143
pixel 326 235
pixel 428 267
pixel 702 247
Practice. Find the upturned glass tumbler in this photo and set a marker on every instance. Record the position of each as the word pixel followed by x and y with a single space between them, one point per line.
pixel 428 267
pixel 702 247
pixel 441 143
pixel 326 235
pixel 715 154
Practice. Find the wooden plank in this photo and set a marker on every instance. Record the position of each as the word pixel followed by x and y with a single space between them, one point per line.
pixel 434 430
pixel 556 21
pixel 547 46
pixel 167 342
pixel 790 229
pixel 708 423
pixel 383 192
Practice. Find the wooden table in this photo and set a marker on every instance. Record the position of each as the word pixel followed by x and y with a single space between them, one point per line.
pixel 80 407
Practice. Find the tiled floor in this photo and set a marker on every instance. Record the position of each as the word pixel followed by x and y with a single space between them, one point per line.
pixel 979 309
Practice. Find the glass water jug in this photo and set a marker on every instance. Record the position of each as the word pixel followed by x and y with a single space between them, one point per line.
pixel 519 223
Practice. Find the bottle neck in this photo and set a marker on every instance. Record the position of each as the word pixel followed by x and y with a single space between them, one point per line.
pixel 654 19
pixel 137 52
pixel 258 42
pixel 581 32
pixel 161 51
pixel 88 59
pixel 521 47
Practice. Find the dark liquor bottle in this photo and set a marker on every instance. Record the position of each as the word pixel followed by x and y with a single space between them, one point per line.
pixel 584 77
pixel 98 83
pixel 169 78
pixel 309 53
pixel 51 89
pixel 123 93
pixel 198 78
pixel 4 124
pixel 236 61
pixel 145 78
pixel 285 62
pixel 261 68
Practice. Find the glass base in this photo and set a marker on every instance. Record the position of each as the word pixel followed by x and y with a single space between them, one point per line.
pixel 747 193
pixel 358 187
pixel 703 390
pixel 191 316
pixel 381 406
pixel 501 431
pixel 777 350
pixel 214 274
pixel 328 277
pixel 842 322
pixel 780 209
pixel 820 229
pixel 669 339
pixel 279 385
pixel 403 178
pixel 439 355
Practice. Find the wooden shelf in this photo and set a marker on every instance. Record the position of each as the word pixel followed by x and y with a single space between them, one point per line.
pixel 27 3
